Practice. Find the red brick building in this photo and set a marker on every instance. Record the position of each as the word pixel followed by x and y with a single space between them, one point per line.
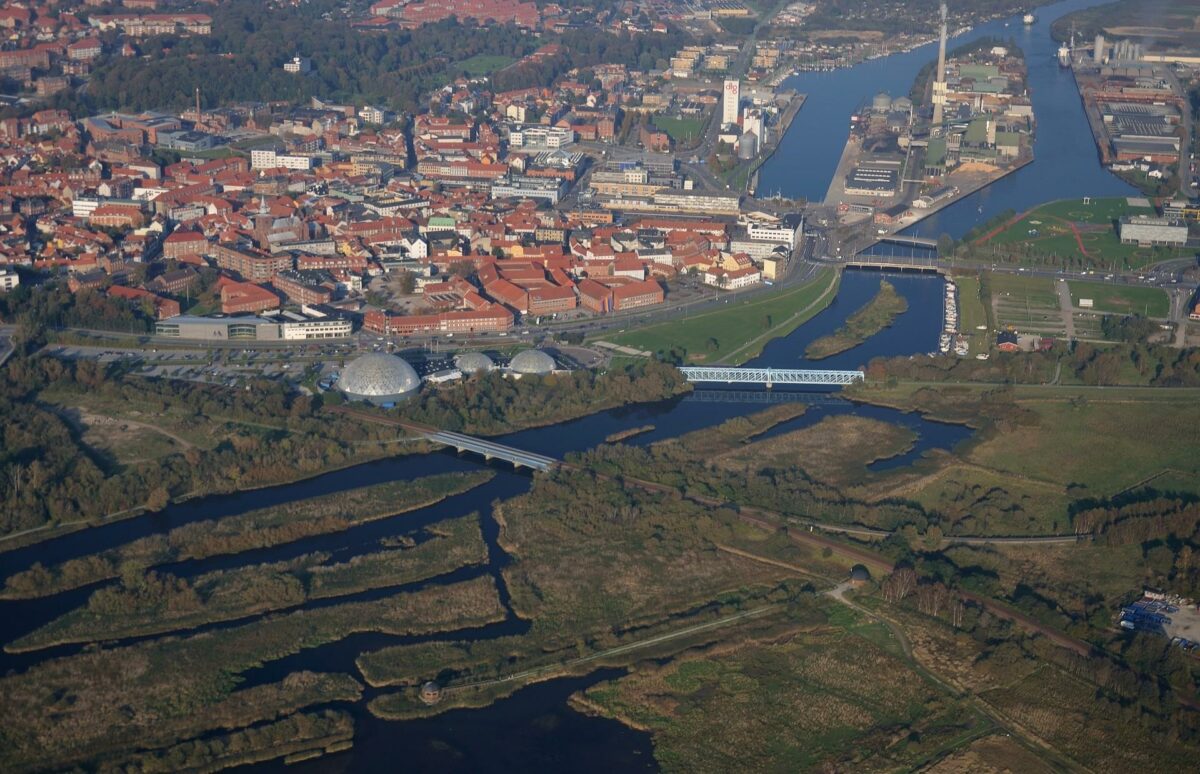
pixel 301 288
pixel 240 297
pixel 493 318
pixel 163 307
pixel 637 294
pixel 252 266
pixel 594 296
pixel 551 299
pixel 184 244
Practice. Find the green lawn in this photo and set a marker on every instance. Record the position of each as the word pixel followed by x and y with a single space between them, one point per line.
pixel 681 130
pixel 483 64
pixel 1036 292
pixel 972 312
pixel 1122 299
pixel 1059 229
pixel 736 333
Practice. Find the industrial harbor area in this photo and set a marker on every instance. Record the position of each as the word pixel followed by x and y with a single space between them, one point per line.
pixel 662 385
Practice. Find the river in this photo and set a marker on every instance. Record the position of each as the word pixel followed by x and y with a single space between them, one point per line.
pixel 1066 163
pixel 533 728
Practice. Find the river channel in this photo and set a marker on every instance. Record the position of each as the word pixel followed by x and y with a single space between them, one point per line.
pixel 1066 163
pixel 533 728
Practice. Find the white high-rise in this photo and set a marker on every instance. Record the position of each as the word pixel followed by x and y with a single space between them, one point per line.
pixel 733 97
pixel 939 79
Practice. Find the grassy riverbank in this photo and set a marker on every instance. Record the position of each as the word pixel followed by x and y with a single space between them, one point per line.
pixel 243 532
pixel 736 333
pixel 156 604
pixel 879 313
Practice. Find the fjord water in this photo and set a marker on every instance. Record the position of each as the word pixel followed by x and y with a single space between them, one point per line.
pixel 1065 165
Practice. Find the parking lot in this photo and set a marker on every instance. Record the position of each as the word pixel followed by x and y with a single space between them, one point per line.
pixel 1169 615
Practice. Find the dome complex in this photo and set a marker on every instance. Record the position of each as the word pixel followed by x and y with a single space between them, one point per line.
pixel 379 378
pixel 532 362
pixel 470 362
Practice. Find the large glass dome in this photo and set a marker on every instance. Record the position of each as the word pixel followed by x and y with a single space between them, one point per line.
pixel 533 362
pixel 470 362
pixel 379 378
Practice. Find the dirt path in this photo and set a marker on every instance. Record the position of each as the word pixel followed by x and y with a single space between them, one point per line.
pixel 1064 304
pixel 553 669
pixel 983 240
pixel 82 419
pixel 916 485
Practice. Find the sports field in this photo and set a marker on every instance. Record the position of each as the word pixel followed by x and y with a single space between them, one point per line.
pixel 1122 299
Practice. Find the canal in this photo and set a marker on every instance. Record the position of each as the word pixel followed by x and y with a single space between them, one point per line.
pixel 1065 163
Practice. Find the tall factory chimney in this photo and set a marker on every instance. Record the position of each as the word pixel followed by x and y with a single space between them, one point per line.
pixel 1098 50
pixel 939 83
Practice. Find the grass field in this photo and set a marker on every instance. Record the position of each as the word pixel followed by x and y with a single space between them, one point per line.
pixel 736 333
pixel 483 64
pixel 1063 446
pixel 682 130
pixel 1084 234
pixel 1026 303
pixel 972 312
pixel 1122 299
pixel 796 705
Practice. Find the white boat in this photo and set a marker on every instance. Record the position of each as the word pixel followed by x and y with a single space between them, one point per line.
pixel 1064 55
pixel 1029 18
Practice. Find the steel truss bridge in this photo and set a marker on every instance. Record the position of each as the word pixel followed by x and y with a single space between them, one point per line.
pixel 769 376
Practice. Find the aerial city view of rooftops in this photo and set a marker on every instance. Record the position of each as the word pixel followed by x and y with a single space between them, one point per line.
pixel 681 385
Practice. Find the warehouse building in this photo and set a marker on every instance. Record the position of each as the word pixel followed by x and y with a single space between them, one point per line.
pixel 1146 231
pixel 873 180
pixel 282 328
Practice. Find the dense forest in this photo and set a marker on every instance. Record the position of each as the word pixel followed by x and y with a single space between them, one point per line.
pixel 48 476
pixel 242 60
pixel 491 403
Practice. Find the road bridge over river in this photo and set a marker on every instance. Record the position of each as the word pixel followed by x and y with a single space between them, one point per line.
pixel 490 450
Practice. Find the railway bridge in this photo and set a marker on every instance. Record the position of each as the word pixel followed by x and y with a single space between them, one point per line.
pixel 770 376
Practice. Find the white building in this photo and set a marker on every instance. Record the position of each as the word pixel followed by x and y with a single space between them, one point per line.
pixel 520 187
pixel 1146 231
pixel 415 248
pixel 732 103
pixel 372 114
pixel 9 280
pixel 331 328
pixel 540 137
pixel 778 235
pixel 297 65
pixel 271 159
pixel 732 280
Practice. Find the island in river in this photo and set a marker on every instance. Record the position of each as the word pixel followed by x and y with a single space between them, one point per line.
pixel 879 313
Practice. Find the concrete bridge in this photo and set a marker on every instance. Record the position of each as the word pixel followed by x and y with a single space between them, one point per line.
pixel 881 263
pixel 770 376
pixel 909 241
pixel 490 450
